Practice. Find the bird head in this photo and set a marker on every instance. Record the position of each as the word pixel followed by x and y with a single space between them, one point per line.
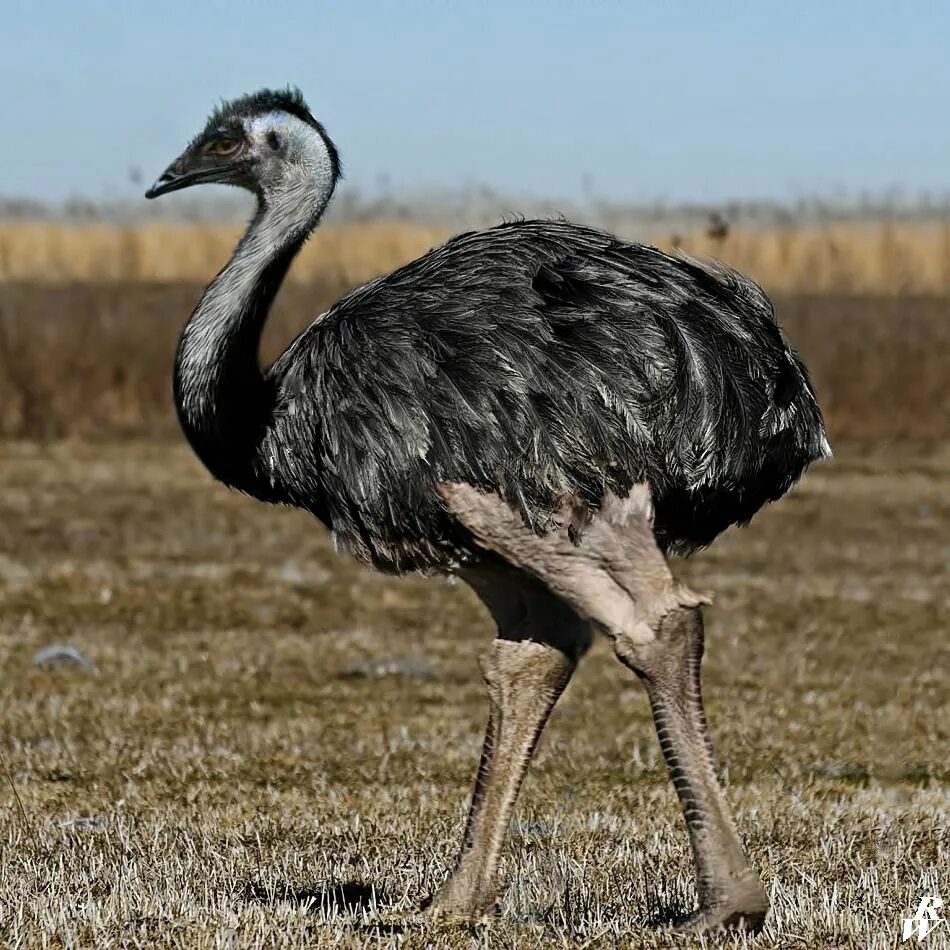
pixel 262 142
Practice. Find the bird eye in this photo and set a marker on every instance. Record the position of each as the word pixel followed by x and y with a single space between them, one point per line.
pixel 224 147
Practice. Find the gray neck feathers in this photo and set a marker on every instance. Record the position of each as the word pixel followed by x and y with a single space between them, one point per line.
pixel 224 402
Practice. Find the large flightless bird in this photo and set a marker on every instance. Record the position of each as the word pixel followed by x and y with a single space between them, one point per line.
pixel 539 408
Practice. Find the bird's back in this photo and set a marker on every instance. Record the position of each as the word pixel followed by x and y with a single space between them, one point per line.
pixel 539 358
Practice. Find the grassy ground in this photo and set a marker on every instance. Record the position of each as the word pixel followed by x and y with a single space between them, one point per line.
pixel 276 748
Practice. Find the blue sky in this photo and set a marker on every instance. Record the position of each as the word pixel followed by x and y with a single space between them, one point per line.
pixel 643 100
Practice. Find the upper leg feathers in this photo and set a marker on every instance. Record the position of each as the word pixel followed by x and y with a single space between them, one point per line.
pixel 605 563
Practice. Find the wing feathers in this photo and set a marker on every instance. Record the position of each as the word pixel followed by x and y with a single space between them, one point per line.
pixel 539 359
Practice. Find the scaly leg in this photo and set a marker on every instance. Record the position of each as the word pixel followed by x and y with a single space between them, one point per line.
pixel 729 891
pixel 610 570
pixel 526 670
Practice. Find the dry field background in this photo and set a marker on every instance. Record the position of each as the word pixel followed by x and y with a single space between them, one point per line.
pixel 877 258
pixel 276 748
pixel 95 360
pixel 89 315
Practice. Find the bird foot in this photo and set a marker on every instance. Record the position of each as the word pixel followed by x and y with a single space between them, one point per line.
pixel 743 908
pixel 468 909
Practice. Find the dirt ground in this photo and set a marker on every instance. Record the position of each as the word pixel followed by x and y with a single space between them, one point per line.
pixel 271 746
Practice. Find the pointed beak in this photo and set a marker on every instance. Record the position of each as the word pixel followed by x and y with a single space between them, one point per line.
pixel 186 170
pixel 173 178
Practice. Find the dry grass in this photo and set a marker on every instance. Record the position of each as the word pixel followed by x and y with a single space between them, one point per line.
pixel 341 255
pixel 94 359
pixel 882 259
pixel 276 747
pixel 89 315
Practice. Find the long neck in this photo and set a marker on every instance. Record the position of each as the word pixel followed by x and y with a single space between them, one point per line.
pixel 224 401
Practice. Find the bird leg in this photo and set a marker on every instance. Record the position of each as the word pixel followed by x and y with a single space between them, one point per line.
pixel 606 565
pixel 729 891
pixel 526 669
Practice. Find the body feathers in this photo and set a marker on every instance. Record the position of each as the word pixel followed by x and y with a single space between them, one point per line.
pixel 538 359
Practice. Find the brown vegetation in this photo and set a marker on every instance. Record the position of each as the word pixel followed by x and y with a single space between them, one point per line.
pixel 275 747
pixel 867 258
pixel 233 769
pixel 89 313
pixel 94 359
pixel 342 255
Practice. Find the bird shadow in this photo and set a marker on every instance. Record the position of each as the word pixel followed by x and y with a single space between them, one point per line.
pixel 666 915
pixel 345 897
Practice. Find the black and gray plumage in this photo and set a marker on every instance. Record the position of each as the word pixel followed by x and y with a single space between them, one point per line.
pixel 456 415
pixel 536 358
